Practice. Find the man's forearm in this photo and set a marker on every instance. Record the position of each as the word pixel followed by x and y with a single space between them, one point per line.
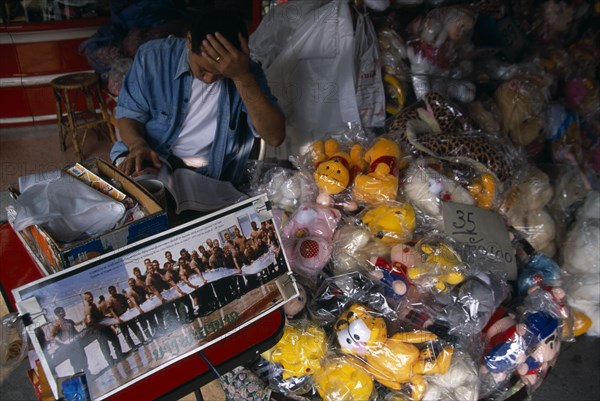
pixel 132 132
pixel 267 119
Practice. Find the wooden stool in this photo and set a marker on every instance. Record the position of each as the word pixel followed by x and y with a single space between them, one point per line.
pixel 67 89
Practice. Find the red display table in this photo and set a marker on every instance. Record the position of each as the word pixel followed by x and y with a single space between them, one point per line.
pixel 176 380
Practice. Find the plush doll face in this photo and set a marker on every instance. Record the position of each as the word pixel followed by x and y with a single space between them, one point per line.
pixel 358 328
pixel 391 223
pixel 332 176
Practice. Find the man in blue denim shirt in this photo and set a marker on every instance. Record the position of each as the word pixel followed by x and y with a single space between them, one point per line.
pixel 159 100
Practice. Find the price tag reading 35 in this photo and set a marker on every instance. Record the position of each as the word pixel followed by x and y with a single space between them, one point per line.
pixel 485 235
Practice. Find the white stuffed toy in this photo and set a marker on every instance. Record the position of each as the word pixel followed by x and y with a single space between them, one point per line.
pixel 427 189
pixel 459 383
pixel 581 258
pixel 353 247
pixel 524 207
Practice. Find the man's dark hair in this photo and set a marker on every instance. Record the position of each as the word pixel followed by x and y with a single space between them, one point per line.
pixel 58 309
pixel 226 23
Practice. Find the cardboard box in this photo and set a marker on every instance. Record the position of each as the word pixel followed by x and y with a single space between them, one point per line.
pixel 53 256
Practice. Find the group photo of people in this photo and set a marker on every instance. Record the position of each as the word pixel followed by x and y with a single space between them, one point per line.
pixel 98 318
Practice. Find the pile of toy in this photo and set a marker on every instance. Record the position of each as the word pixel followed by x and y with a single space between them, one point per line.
pixel 394 304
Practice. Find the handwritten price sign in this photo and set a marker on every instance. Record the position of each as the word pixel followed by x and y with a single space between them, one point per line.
pixel 485 235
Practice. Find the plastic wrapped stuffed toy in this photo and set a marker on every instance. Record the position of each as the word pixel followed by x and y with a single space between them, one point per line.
pixel 342 379
pixel 335 169
pixel 522 102
pixel 433 46
pixel 380 183
pixel 390 222
pixel 393 361
pixel 581 256
pixel 353 247
pixel 524 206
pixel 297 356
pixel 426 189
pixel 441 267
pixel 307 238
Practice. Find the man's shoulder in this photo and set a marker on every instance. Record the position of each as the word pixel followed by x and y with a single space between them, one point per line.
pixel 161 46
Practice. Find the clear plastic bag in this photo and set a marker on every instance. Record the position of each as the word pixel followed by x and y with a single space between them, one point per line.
pixel 14 342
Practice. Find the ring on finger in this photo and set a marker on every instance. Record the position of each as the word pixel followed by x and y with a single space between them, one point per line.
pixel 218 59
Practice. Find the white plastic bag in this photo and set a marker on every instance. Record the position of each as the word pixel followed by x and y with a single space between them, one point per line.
pixel 67 208
pixel 307 50
pixel 370 95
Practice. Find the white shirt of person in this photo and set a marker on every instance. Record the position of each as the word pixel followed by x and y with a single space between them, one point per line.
pixel 200 125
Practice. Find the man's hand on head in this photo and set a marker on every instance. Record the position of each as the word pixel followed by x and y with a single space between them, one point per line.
pixel 225 58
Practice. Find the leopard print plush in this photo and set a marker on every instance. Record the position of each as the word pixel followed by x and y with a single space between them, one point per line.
pixel 436 112
pixel 474 148
pixel 435 128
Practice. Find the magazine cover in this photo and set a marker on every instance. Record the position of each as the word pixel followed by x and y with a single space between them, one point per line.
pixel 123 316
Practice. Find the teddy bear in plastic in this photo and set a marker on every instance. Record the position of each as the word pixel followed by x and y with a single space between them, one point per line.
pixel 433 47
pixel 522 102
pixel 460 382
pixel 393 361
pixel 307 238
pixel 524 206
pixel 442 267
pixel 335 170
pixel 353 247
pixel 426 188
pixel 390 222
pixel 380 183
pixel 392 275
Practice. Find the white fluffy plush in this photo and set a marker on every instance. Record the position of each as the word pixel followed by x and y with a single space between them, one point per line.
pixel 524 207
pixel 581 258
pixel 426 188
pixel 459 383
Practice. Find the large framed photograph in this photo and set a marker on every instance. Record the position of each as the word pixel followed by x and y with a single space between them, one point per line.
pixel 123 316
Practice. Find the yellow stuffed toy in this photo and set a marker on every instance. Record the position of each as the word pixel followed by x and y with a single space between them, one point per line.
pixel 299 351
pixel 335 169
pixel 381 181
pixel 442 267
pixel 393 361
pixel 342 379
pixel 391 222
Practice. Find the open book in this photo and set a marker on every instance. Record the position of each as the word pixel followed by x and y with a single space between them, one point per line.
pixel 193 191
